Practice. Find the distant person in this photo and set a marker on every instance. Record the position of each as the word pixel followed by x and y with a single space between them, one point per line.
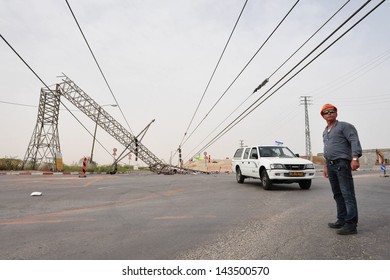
pixel 342 150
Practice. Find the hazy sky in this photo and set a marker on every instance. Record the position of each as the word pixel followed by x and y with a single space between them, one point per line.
pixel 158 57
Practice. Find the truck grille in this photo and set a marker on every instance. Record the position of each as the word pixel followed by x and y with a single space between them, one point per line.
pixel 295 166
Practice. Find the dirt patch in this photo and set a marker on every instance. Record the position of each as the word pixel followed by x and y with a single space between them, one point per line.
pixel 218 165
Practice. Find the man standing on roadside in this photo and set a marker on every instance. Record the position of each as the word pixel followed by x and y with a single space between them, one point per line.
pixel 342 150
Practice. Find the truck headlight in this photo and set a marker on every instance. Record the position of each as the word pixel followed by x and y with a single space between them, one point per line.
pixel 277 166
pixel 309 166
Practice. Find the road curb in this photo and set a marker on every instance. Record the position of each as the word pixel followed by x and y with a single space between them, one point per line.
pixel 45 173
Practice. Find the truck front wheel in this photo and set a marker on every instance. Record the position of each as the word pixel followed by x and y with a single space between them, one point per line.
pixel 240 179
pixel 265 181
pixel 305 184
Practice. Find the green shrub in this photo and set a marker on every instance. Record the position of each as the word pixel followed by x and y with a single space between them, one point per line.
pixel 98 168
pixel 9 163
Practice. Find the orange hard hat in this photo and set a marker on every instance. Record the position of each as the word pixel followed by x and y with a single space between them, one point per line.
pixel 327 107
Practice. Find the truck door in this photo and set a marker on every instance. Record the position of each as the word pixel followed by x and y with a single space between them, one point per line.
pixel 253 169
pixel 244 162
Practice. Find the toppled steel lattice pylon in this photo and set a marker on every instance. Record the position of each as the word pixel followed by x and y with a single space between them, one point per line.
pixel 44 143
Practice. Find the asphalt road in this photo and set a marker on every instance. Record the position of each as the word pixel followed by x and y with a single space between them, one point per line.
pixel 148 216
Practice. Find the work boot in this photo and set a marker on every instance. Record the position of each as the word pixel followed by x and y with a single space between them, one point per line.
pixel 346 230
pixel 337 224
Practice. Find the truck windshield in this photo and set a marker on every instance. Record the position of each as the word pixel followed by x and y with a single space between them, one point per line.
pixel 276 151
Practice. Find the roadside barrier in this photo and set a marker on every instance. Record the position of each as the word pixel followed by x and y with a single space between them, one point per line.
pixel 82 175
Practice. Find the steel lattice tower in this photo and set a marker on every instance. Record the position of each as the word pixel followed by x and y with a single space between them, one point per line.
pixel 45 144
pixel 306 101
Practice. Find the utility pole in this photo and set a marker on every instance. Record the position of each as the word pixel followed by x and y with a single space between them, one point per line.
pixel 241 143
pixel 306 101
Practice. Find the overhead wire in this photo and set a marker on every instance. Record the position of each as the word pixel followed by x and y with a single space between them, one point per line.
pixel 318 30
pixel 254 105
pixel 243 102
pixel 26 105
pixel 18 104
pixel 362 100
pixel 365 98
pixel 353 75
pixel 239 74
pixel 295 52
pixel 98 65
pixel 365 103
pixel 215 69
pixel 235 122
pixel 190 153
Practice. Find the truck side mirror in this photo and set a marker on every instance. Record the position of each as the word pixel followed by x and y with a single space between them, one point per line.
pixel 254 156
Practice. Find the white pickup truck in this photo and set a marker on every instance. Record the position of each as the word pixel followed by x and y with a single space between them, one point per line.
pixel 272 164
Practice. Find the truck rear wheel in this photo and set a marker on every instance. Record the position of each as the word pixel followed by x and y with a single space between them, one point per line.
pixel 240 179
pixel 265 181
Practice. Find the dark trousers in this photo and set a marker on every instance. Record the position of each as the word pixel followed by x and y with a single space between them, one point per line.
pixel 341 181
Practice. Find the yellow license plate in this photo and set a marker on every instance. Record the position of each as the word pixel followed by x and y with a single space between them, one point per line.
pixel 296 174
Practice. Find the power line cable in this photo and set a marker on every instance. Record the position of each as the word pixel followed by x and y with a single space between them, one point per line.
pixel 239 74
pixel 318 30
pixel 242 116
pixel 316 48
pixel 18 104
pixel 219 125
pixel 97 63
pixel 265 81
pixel 215 69
pixel 353 75
pixel 226 130
pixel 27 105
pixel 364 98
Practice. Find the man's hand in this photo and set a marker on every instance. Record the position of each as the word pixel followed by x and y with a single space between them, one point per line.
pixel 325 171
pixel 355 164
